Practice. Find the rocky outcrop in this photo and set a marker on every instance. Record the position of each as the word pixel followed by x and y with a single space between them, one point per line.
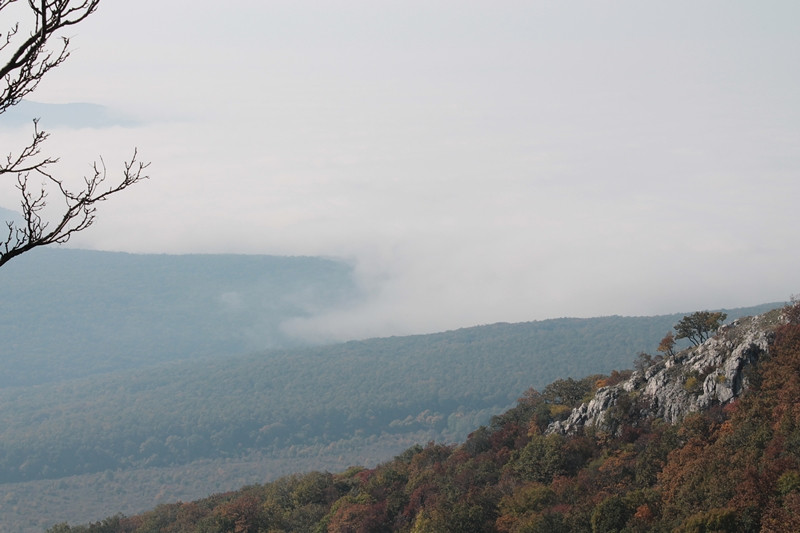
pixel 692 380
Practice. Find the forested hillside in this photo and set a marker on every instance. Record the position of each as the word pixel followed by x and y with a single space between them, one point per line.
pixel 191 427
pixel 68 314
pixel 734 467
pixel 442 384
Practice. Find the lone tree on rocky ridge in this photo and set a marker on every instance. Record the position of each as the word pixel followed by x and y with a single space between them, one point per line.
pixel 699 326
pixel 667 344
pixel 25 58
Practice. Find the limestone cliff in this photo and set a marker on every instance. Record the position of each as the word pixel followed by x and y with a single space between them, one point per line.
pixel 692 380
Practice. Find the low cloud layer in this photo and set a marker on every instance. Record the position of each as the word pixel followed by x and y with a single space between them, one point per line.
pixel 475 164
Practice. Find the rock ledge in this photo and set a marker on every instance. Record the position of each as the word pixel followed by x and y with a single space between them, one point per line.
pixel 692 380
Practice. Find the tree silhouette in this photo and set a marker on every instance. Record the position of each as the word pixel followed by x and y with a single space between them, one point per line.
pixel 699 326
pixel 25 58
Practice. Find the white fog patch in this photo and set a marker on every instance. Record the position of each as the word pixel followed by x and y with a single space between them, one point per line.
pixel 491 164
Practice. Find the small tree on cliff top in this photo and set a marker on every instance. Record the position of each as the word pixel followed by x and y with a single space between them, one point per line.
pixel 699 326
pixel 667 344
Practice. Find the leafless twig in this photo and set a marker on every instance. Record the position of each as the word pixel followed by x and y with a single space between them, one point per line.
pixel 25 61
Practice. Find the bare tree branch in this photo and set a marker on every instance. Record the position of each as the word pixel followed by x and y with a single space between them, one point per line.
pixel 24 61
pixel 79 210
pixel 30 59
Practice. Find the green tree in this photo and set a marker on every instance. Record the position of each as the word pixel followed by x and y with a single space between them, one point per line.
pixel 699 326
pixel 611 515
pixel 541 459
pixel 567 392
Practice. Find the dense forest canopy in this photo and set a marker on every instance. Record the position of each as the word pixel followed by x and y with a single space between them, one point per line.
pixel 732 468
pixel 438 386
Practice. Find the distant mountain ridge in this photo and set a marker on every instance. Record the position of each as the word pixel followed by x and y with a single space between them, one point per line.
pixel 73 115
pixel 68 313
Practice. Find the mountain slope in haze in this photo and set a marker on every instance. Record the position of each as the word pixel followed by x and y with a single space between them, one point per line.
pixel 74 313
pixel 444 384
pixel 731 466
pixel 213 424
pixel 72 115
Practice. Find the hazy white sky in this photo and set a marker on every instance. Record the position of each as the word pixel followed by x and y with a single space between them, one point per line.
pixel 477 161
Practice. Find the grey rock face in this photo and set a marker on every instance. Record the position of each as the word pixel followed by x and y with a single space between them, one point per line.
pixel 693 380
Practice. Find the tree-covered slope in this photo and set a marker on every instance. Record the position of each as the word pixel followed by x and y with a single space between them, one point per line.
pixel 128 440
pixel 73 313
pixel 443 384
pixel 733 467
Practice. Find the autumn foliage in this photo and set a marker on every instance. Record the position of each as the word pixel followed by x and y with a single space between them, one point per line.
pixel 733 468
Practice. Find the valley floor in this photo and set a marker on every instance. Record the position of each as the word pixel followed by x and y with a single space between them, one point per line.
pixel 32 507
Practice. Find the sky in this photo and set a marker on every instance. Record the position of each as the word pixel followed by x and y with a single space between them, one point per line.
pixel 476 162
